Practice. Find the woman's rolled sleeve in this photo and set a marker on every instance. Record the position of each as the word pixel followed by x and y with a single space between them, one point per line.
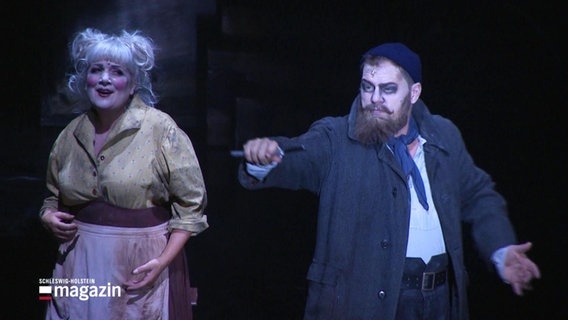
pixel 186 187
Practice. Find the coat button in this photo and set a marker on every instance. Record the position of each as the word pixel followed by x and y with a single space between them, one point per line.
pixel 94 192
pixel 385 244
pixel 381 294
pixel 394 192
pixel 102 158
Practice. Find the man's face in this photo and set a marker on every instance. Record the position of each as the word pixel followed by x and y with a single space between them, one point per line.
pixel 386 102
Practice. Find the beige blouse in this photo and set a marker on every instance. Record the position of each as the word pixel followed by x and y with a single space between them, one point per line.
pixel 147 161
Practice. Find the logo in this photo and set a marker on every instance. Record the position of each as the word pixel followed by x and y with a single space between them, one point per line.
pixel 82 289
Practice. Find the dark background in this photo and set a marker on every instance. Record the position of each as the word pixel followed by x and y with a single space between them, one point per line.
pixel 231 70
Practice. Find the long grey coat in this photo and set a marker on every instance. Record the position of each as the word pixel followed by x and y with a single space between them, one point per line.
pixel 364 210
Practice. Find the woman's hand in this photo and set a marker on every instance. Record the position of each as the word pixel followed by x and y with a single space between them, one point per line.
pixel 145 275
pixel 60 224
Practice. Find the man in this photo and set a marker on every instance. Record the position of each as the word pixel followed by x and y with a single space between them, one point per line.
pixel 395 185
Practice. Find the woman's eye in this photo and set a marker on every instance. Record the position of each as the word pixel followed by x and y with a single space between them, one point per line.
pixel 95 70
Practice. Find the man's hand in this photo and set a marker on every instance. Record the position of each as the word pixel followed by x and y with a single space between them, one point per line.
pixel 519 270
pixel 262 151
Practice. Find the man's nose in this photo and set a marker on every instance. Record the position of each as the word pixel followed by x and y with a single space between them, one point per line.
pixel 377 96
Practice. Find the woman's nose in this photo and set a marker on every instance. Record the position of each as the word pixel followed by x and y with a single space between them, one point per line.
pixel 105 79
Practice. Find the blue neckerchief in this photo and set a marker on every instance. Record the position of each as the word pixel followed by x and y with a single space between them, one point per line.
pixel 400 150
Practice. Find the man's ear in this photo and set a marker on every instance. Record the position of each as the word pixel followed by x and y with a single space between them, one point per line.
pixel 415 91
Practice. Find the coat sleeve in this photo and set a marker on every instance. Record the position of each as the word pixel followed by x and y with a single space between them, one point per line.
pixel 298 170
pixel 483 209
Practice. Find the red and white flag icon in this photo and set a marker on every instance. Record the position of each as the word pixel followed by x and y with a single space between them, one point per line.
pixel 44 292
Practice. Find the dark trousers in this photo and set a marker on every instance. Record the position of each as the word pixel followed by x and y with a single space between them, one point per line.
pixel 425 304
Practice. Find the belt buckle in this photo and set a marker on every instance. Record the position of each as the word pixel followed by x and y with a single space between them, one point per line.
pixel 428 281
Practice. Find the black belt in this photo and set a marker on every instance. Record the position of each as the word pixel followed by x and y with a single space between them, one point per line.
pixel 426 281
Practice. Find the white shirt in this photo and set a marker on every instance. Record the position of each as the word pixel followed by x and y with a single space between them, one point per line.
pixel 425 237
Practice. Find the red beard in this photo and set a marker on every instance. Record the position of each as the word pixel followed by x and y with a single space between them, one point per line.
pixel 371 130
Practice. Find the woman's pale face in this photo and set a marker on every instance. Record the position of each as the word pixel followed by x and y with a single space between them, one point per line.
pixel 109 85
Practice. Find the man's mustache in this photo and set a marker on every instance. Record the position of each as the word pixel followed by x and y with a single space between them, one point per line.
pixel 372 107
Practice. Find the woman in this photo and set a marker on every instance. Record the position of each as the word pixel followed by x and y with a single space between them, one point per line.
pixel 126 188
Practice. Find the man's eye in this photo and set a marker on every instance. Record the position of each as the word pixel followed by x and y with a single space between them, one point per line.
pixel 389 89
pixel 367 87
